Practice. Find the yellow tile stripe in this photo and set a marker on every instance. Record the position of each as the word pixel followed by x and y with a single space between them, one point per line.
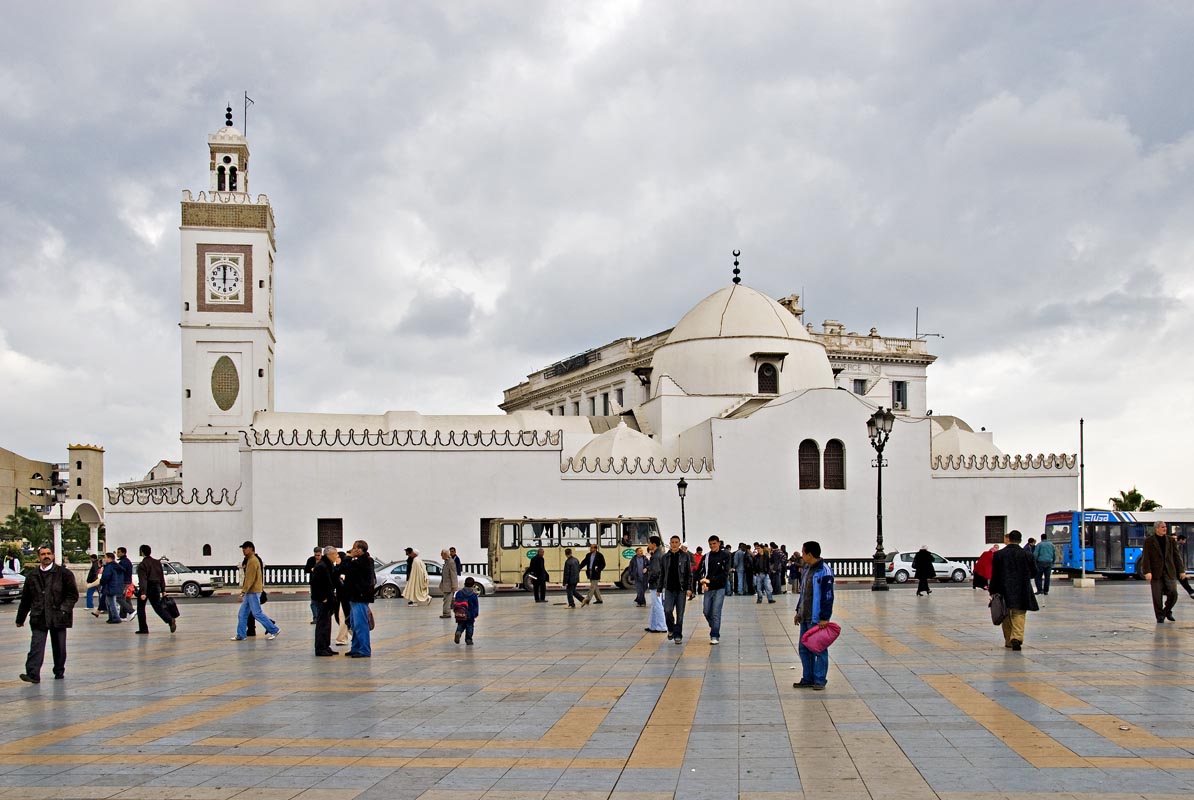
pixel 888 644
pixel 198 719
pixel 1051 696
pixel 664 739
pixel 1107 726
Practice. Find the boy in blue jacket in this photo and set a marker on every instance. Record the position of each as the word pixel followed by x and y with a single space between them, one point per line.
pixel 814 607
pixel 465 609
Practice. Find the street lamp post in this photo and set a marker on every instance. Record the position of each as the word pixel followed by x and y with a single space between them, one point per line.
pixel 682 488
pixel 60 496
pixel 878 428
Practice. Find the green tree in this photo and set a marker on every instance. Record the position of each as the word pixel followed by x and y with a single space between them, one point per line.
pixel 1133 501
pixel 25 523
pixel 76 538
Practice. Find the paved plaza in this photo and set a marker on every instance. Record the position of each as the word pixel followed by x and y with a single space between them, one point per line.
pixel 923 702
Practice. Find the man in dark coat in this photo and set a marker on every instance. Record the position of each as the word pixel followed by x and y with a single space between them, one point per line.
pixel 537 572
pixel 1012 571
pixel 922 566
pixel 48 601
pixel 323 595
pixel 592 564
pixel 571 578
pixel 1162 564
pixel 638 573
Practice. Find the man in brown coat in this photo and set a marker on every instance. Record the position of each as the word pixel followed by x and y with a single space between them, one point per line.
pixel 1161 564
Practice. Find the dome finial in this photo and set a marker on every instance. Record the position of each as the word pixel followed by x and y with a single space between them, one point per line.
pixel 228 116
pixel 737 271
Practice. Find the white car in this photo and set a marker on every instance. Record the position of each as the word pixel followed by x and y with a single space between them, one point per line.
pixel 391 581
pixel 181 579
pixel 899 568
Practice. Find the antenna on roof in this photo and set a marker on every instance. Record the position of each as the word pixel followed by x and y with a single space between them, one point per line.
pixel 737 271
pixel 916 328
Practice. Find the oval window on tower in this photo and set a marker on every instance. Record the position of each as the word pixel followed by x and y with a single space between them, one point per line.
pixel 225 383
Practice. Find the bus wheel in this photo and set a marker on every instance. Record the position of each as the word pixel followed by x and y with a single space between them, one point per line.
pixel 627 579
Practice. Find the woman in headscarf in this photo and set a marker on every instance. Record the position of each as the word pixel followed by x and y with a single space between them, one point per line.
pixel 922 565
pixel 416 582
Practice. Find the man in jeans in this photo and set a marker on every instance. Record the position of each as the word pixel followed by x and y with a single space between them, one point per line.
pixel 715 582
pixel 814 608
pixel 359 578
pixel 1045 555
pixel 675 582
pixel 252 584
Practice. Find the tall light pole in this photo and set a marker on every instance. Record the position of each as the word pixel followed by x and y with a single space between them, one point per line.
pixel 60 496
pixel 682 488
pixel 878 428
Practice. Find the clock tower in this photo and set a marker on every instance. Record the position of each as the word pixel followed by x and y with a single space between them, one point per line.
pixel 227 314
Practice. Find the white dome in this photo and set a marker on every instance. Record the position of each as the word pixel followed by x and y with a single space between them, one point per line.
pixel 621 442
pixel 739 342
pixel 737 311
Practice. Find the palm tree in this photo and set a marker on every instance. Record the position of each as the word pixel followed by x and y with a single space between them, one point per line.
pixel 1133 501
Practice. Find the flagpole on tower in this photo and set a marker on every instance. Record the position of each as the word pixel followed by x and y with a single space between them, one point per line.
pixel 245 116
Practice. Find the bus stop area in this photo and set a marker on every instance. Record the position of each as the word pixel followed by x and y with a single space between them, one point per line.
pixel 923 701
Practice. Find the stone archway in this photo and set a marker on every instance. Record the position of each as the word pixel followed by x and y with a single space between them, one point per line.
pixel 88 513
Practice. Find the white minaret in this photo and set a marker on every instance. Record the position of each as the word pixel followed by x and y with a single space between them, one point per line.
pixel 227 314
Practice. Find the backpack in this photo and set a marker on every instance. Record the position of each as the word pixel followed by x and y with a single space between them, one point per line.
pixel 460 610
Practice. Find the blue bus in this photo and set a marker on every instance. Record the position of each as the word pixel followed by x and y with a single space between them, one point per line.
pixel 1114 539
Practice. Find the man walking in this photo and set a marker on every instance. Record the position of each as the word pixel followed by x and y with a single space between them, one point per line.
pixel 111 588
pixel 571 578
pixel 592 564
pixel 359 577
pixel 739 565
pixel 715 581
pixel 1045 554
pixel 151 580
pixel 48 602
pixel 638 572
pixel 323 596
pixel 1012 570
pixel 126 567
pixel 449 583
pixel 813 608
pixel 1162 565
pixel 252 584
pixel 538 572
pixel 676 583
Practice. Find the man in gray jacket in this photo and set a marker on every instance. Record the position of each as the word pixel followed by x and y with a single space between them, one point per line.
pixel 449 583
pixel 571 578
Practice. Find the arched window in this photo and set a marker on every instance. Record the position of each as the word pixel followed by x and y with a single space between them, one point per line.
pixel 37 476
pixel 232 179
pixel 207 549
pixel 835 464
pixel 219 179
pixel 768 379
pixel 78 465
pixel 810 465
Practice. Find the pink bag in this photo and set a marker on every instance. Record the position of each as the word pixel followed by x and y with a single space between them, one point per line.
pixel 818 639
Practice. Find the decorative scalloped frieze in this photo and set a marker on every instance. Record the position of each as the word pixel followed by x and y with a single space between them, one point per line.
pixel 171 496
pixel 352 438
pixel 991 463
pixel 625 466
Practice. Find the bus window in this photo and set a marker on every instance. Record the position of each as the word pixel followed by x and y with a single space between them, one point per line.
pixel 575 533
pixel 509 535
pixel 636 532
pixel 608 533
pixel 1137 534
pixel 539 534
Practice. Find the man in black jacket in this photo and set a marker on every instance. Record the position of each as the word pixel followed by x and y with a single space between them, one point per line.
pixel 311 562
pixel 538 572
pixel 48 601
pixel 1012 571
pixel 359 578
pixel 323 597
pixel 676 582
pixel 592 564
pixel 717 566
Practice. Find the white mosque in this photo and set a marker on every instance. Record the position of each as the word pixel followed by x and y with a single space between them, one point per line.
pixel 763 417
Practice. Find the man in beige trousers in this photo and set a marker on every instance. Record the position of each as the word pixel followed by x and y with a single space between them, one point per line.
pixel 449 583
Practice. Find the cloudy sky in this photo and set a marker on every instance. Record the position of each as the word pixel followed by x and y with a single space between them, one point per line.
pixel 467 192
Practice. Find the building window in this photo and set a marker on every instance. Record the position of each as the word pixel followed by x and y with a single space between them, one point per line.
pixel 219 179
pixel 592 406
pixel 37 477
pixel 621 398
pixel 330 533
pixel 899 395
pixel 207 549
pixel 576 409
pixel 78 465
pixel 835 464
pixel 551 412
pixel 768 379
pixel 78 481
pixel 810 465
pixel 560 410
pixel 860 386
pixel 605 404
pixel 996 529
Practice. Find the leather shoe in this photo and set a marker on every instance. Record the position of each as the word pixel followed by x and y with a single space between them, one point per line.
pixel 1016 644
pixel 29 678
pixel 1169 616
pixel 328 653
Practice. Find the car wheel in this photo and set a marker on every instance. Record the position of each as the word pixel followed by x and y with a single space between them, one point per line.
pixel 901 576
pixel 388 591
pixel 479 589
pixel 959 575
pixel 190 589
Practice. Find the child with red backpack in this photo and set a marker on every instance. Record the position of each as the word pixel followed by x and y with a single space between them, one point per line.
pixel 465 609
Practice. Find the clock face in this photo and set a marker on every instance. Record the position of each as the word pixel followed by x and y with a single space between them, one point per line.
pixel 223 279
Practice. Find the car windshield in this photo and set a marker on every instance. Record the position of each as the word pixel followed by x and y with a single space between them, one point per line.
pixel 177 566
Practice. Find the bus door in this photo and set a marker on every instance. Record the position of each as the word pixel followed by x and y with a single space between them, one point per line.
pixel 1186 529
pixel 1108 543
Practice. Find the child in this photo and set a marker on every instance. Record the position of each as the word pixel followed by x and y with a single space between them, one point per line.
pixel 465 609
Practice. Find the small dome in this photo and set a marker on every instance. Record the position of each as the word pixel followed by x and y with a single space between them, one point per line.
pixel 737 311
pixel 227 135
pixel 621 442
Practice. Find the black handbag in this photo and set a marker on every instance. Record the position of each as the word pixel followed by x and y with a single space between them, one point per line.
pixel 171 607
pixel 998 608
pixel 264 598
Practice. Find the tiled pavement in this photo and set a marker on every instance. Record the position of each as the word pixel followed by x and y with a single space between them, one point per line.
pixel 923 702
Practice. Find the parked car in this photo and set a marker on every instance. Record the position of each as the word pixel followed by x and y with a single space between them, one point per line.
pixel 11 586
pixel 899 568
pixel 391 581
pixel 181 579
